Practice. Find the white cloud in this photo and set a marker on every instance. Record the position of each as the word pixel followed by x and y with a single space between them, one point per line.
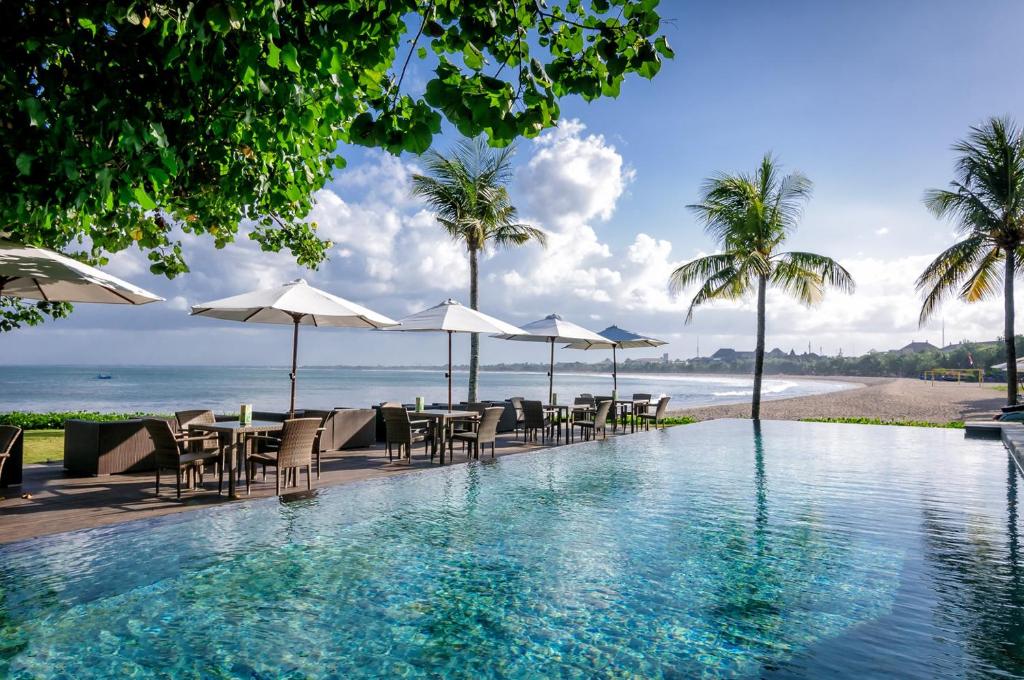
pixel 391 255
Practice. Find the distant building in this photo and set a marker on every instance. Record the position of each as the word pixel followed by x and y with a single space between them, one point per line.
pixel 917 347
pixel 664 358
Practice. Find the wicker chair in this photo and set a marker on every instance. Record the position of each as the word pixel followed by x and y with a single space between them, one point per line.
pixel 404 432
pixel 197 417
pixel 290 452
pixel 535 419
pixel 486 431
pixel 517 406
pixel 657 417
pixel 590 428
pixel 172 452
pixel 8 436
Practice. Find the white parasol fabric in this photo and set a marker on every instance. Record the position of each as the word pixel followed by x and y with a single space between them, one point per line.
pixel 41 274
pixel 452 317
pixel 551 329
pixel 296 303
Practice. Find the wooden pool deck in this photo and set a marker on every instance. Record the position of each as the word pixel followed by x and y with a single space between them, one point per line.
pixel 63 503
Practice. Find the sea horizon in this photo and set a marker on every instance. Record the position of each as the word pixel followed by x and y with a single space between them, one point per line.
pixel 166 388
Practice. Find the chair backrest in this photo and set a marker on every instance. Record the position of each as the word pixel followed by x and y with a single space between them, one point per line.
pixel 662 407
pixel 599 399
pixel 533 414
pixel 477 406
pixel 397 423
pixel 297 437
pixel 586 395
pixel 517 404
pixel 488 429
pixel 8 435
pixel 198 416
pixel 641 397
pixel 583 401
pixel 601 416
pixel 164 444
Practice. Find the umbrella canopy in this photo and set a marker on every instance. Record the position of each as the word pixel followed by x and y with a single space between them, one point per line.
pixel 296 303
pixel 451 317
pixel 617 338
pixel 551 329
pixel 40 274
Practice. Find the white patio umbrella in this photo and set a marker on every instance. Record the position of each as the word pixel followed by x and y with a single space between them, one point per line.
pixel 617 338
pixel 41 274
pixel 296 303
pixel 451 317
pixel 551 329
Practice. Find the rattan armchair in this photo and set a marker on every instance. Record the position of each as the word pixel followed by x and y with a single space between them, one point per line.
pixel 172 452
pixel 657 417
pixel 590 428
pixel 535 420
pixel 403 432
pixel 287 454
pixel 8 436
pixel 485 432
pixel 517 406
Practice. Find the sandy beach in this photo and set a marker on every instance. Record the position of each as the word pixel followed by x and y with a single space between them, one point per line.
pixel 884 398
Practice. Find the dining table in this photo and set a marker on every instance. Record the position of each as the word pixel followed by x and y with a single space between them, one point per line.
pixel 561 411
pixel 440 420
pixel 233 436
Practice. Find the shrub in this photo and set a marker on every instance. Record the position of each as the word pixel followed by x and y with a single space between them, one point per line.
pixel 54 420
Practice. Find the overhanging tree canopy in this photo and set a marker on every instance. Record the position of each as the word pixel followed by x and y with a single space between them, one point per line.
pixel 120 119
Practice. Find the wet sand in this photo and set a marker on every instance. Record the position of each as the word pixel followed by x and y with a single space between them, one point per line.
pixel 884 398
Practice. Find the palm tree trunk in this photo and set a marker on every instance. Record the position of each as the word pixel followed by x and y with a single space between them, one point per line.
pixel 755 404
pixel 1011 346
pixel 474 338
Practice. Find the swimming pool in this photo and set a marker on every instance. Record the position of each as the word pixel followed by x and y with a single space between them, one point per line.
pixel 791 550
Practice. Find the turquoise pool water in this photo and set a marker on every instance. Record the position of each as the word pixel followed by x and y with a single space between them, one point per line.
pixel 715 549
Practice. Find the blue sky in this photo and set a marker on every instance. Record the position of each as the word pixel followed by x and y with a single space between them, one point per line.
pixel 865 98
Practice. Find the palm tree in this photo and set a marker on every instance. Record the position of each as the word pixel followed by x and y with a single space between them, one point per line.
pixel 467 190
pixel 986 200
pixel 751 216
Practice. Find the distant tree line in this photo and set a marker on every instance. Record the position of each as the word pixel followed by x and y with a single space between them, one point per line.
pixel 879 364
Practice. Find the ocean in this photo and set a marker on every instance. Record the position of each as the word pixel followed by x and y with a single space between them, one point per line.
pixel 165 389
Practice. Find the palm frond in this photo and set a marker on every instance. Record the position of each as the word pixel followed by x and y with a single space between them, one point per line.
pixel 700 269
pixel 943 276
pixel 830 273
pixel 729 283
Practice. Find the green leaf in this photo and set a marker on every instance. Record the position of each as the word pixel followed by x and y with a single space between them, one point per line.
pixel 290 58
pixel 143 198
pixel 273 55
pixel 24 163
pixel 87 24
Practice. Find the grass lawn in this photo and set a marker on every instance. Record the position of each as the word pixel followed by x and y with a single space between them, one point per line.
pixel 43 446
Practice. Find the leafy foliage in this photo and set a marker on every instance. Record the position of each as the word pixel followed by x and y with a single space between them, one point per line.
pixel 54 420
pixel 951 425
pixel 15 313
pixel 986 203
pixel 751 216
pixel 122 121
pixel 468 192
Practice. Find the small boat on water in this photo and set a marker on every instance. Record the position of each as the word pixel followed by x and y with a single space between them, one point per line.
pixel 104 377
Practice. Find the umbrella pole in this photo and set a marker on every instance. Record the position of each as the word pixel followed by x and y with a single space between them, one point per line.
pixel 449 370
pixel 551 374
pixel 295 362
pixel 615 372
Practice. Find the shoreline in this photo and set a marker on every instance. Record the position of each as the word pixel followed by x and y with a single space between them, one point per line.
pixel 895 399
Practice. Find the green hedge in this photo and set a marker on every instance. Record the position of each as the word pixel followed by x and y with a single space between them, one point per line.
pixel 55 419
pixel 952 425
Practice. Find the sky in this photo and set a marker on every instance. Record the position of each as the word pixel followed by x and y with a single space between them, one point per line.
pixel 864 98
